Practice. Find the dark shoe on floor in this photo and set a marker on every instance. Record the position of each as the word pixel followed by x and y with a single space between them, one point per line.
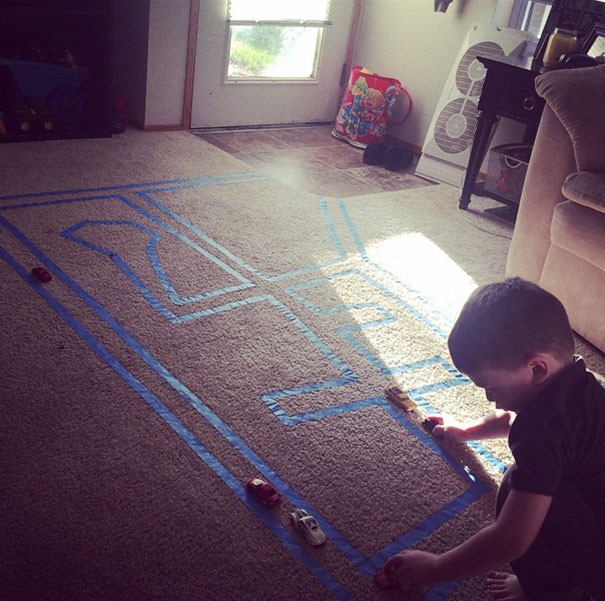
pixel 375 154
pixel 397 158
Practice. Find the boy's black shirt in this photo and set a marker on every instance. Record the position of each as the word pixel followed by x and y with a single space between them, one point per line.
pixel 560 436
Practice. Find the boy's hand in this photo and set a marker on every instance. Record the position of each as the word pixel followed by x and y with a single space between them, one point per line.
pixel 412 569
pixel 447 428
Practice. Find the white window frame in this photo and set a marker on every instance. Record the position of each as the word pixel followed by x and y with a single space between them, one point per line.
pixel 512 13
pixel 320 25
pixel 515 15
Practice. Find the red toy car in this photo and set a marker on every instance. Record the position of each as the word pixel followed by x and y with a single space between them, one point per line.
pixel 384 580
pixel 264 492
pixel 41 274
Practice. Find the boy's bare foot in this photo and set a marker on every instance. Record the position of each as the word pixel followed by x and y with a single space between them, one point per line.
pixel 505 587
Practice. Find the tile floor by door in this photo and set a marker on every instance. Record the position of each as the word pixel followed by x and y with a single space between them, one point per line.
pixel 312 159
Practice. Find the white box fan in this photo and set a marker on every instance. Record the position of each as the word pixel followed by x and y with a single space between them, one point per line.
pixel 447 147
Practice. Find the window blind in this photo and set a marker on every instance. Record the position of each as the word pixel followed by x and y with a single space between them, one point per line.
pixel 290 13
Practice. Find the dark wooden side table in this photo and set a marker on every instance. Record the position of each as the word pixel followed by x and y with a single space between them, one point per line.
pixel 508 91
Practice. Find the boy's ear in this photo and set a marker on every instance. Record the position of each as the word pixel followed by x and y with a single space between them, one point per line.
pixel 540 368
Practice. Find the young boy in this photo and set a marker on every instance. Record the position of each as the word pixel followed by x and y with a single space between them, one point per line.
pixel 513 339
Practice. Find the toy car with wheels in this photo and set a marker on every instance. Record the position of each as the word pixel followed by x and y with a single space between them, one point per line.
pixel 399 398
pixel 41 274
pixel 24 120
pixel 384 580
pixel 55 87
pixel 308 526
pixel 264 491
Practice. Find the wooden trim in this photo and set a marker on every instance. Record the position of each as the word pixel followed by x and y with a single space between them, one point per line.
pixel 175 127
pixel 352 43
pixel 194 15
pixel 168 127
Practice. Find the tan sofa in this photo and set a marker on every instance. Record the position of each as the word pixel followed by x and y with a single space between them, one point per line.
pixel 559 237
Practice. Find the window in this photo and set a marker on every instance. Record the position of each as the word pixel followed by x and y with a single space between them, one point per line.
pixel 530 15
pixel 525 15
pixel 274 39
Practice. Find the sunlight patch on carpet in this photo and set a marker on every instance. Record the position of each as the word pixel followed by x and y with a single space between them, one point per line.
pixel 418 261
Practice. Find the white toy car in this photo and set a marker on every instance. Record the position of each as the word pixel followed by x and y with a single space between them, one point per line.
pixel 308 525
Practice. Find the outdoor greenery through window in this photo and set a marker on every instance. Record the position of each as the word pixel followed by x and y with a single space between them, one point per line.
pixel 275 39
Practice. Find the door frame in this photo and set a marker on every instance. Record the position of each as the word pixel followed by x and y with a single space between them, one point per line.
pixel 194 11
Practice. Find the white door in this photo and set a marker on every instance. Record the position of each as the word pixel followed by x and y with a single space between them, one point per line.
pixel 269 61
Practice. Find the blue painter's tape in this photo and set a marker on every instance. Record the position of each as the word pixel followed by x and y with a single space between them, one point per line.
pixel 327 412
pixel 152 254
pixel 311 336
pixel 145 355
pixel 424 438
pixel 352 229
pixel 348 331
pixel 423 529
pixel 239 444
pixel 441 592
pixel 348 375
pixel 475 490
pixel 477 447
pixel 265 516
pixel 323 204
pixel 245 177
pixel 489 457
pixel 52 203
pixel 238 260
pixel 272 399
pixel 364 255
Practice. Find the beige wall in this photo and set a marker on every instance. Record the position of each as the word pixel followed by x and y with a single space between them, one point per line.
pixel 150 48
pixel 406 39
pixel 168 28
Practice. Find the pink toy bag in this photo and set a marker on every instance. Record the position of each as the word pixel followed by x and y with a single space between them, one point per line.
pixel 370 102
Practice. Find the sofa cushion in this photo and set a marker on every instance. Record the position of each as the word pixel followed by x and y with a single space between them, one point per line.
pixel 577 97
pixel 580 231
pixel 586 188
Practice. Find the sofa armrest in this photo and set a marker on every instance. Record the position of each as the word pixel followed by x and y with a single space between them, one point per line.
pixel 586 188
pixel 577 96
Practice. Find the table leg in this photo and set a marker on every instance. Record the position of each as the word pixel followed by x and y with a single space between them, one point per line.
pixel 485 123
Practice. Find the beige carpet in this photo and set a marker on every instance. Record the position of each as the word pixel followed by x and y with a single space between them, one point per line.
pixel 205 325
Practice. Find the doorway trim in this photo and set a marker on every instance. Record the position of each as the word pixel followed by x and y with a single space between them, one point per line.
pixel 194 10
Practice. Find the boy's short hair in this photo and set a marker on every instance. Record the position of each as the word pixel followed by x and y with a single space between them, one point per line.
pixel 503 324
